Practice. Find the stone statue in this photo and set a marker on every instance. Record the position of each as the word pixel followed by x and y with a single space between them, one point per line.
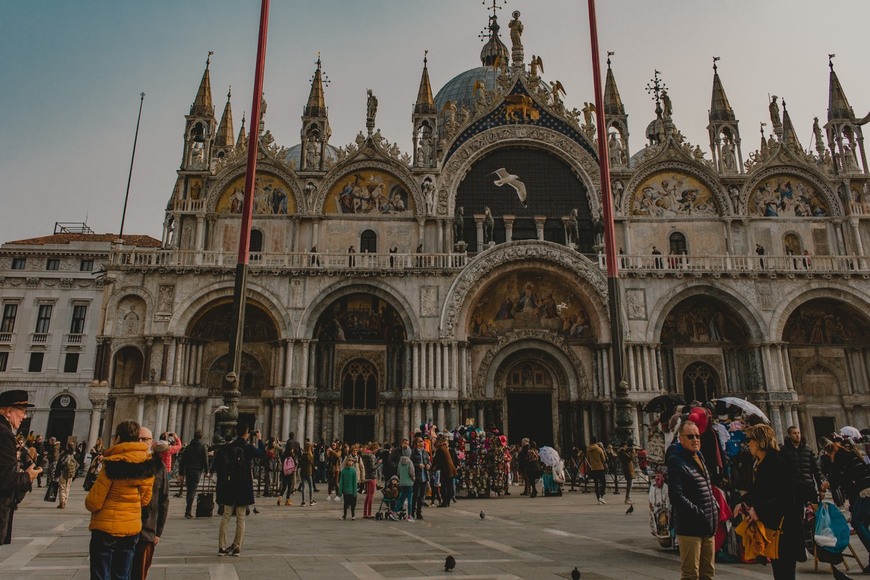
pixel 616 150
pixel 775 119
pixel 312 153
pixel 536 64
pixel 458 224
pixel 488 225
pixel 429 195
pixel 516 27
pixel 817 132
pixel 729 162
pixel 572 228
pixel 588 109
pixel 667 107
pixel 371 109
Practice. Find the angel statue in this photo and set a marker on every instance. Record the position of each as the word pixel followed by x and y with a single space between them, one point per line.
pixel 557 88
pixel 536 64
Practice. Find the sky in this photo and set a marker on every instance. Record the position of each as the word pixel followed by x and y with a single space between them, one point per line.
pixel 72 73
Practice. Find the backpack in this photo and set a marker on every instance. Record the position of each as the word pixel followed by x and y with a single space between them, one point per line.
pixel 289 465
pixel 235 464
pixel 70 467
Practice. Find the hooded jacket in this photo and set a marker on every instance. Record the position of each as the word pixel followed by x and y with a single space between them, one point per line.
pixel 696 512
pixel 121 490
pixel 595 457
pixel 406 469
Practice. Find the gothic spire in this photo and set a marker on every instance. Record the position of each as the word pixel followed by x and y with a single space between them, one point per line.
pixel 224 137
pixel 425 103
pixel 242 139
pixel 316 106
pixel 612 101
pixel 838 106
pixel 720 108
pixel 789 135
pixel 202 104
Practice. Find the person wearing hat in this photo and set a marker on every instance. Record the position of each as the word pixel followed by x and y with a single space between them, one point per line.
pixel 14 483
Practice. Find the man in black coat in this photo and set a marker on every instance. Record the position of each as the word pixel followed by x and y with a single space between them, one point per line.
pixel 696 513
pixel 195 463
pixel 235 488
pixel 803 467
pixel 14 483
pixel 154 514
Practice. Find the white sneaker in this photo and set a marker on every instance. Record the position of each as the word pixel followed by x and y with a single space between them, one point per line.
pixel 329 498
pixel 601 500
pixel 312 502
pixel 338 498
pixel 410 519
pixel 628 501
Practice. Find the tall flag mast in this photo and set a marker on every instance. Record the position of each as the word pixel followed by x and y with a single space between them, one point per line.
pixel 228 416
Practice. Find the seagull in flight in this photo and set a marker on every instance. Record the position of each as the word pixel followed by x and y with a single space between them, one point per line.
pixel 514 181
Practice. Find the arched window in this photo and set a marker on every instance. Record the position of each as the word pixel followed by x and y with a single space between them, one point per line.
pixel 359 386
pixel 368 242
pixel 256 241
pixel 792 244
pixel 700 382
pixel 677 244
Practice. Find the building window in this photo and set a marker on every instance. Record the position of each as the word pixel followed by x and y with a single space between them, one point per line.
pixel 71 362
pixel 368 242
pixel 4 359
pixel 677 244
pixel 256 241
pixel 52 264
pixel 359 386
pixel 19 263
pixel 35 365
pixel 43 319
pixel 77 326
pixel 86 265
pixel 10 311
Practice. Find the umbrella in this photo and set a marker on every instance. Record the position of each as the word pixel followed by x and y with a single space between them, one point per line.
pixel 745 408
pixel 663 403
pixel 850 432
pixel 549 456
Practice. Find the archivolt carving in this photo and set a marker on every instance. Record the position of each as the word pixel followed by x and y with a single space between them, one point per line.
pixel 700 173
pixel 394 168
pixel 231 174
pixel 531 337
pixel 457 167
pixel 757 178
pixel 528 251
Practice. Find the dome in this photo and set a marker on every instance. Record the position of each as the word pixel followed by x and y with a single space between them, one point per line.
pixel 294 154
pixel 460 88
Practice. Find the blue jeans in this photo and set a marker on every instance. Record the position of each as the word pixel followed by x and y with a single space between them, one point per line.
pixel 111 556
pixel 303 481
pixel 860 519
pixel 405 492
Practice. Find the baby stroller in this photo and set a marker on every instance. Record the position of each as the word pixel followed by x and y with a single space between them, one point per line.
pixel 389 496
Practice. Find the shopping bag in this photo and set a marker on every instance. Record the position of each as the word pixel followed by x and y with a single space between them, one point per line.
pixel 832 529
pixel 51 492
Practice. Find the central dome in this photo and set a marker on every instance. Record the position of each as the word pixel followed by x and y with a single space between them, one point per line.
pixel 460 89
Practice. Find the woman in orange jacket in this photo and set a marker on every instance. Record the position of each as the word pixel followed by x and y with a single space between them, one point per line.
pixel 115 501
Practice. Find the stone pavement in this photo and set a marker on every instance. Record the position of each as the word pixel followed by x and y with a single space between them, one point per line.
pixel 544 537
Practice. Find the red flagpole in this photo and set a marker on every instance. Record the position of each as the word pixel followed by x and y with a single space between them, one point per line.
pixel 228 418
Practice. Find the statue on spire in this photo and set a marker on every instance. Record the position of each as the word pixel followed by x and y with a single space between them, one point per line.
pixel 516 27
pixel 371 111
pixel 775 119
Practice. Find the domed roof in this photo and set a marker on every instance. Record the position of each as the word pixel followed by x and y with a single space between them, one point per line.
pixel 460 88
pixel 294 154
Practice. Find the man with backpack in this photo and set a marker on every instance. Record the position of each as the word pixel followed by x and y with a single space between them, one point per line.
pixel 65 473
pixel 235 488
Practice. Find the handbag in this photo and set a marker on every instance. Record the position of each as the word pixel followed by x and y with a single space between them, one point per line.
pixel 51 492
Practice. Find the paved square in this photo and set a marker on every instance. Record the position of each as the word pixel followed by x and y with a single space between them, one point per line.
pixel 520 537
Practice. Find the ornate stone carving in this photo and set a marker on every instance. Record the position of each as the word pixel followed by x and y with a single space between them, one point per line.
pixel 635 299
pixel 429 301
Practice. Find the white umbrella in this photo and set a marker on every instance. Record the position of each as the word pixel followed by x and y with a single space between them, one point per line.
pixel 746 408
pixel 850 432
pixel 549 456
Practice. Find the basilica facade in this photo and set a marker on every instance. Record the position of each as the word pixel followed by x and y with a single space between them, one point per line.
pixel 464 281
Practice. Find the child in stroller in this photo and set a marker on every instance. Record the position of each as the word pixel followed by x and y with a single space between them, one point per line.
pixel 388 501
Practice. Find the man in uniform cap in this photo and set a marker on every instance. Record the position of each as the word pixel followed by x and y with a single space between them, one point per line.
pixel 14 483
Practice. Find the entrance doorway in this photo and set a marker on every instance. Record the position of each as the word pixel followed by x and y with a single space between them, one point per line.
pixel 359 428
pixel 530 415
pixel 61 418
pixel 823 427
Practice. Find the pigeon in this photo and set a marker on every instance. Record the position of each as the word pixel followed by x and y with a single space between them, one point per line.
pixel 514 181
pixel 482 515
pixel 449 564
pixel 840 575
pixel 575 574
pixel 220 409
pixel 630 509
pixel 256 511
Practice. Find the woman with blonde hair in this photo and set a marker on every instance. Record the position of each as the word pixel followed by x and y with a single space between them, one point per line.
pixel 770 500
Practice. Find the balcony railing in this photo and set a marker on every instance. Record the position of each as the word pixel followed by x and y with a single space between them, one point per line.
pixel 802 264
pixel 6 337
pixel 39 337
pixel 189 205
pixel 73 339
pixel 147 258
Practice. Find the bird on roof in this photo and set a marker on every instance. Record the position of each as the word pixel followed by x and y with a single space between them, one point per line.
pixel 575 574
pixel 514 181
pixel 449 564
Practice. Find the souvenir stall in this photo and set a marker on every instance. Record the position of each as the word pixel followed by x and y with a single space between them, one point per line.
pixel 484 462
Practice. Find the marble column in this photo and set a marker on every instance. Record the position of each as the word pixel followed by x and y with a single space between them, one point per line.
pixel 337 431
pixel 140 409
pixel 172 420
pixel 406 421
pixel 304 371
pixel 540 220
pixel 97 406
pixel 508 227
pixel 301 418
pixel 288 362
pixel 285 420
pixel 108 426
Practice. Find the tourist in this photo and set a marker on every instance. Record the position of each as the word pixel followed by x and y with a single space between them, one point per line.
pixel 235 488
pixel 194 461
pixel 406 473
pixel 422 463
pixel 597 466
pixel 155 513
pixel 627 455
pixel 14 482
pixel 851 475
pixel 370 468
pixel 305 470
pixel 348 480
pixel 65 472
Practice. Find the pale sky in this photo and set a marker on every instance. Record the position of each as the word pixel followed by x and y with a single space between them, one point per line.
pixel 72 73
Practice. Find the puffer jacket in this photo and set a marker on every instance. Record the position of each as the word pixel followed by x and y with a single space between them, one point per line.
pixel 121 490
pixel 804 469
pixel 696 512
pixel 849 473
